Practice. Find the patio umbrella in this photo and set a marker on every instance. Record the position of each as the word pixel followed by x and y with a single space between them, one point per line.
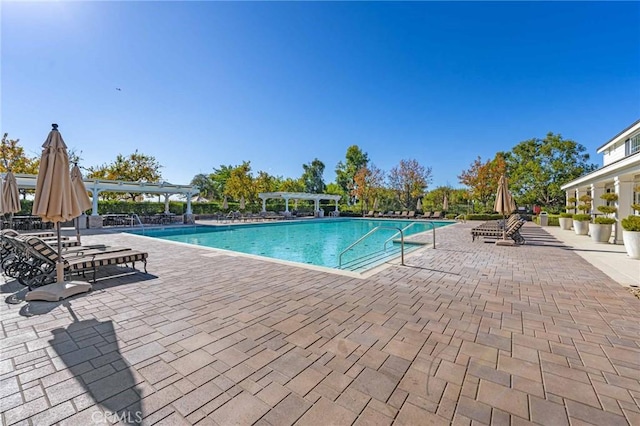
pixel 55 200
pixel 225 203
pixel 445 203
pixel 241 203
pixel 503 202
pixel 10 194
pixel 81 194
pixel 418 204
pixel 375 204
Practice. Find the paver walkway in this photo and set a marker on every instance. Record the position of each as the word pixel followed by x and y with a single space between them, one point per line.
pixel 468 333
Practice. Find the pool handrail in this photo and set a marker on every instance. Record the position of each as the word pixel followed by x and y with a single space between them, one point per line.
pixel 433 227
pixel 135 216
pixel 377 228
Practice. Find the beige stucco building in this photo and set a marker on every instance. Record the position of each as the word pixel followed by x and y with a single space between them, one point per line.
pixel 620 173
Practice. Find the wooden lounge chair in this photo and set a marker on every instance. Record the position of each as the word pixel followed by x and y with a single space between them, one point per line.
pixel 436 215
pixel 370 214
pixel 426 215
pixel 512 231
pixel 411 214
pixel 80 261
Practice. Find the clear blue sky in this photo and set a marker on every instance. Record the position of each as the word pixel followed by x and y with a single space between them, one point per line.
pixel 281 83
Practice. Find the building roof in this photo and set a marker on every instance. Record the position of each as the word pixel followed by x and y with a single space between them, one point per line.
pixel 623 134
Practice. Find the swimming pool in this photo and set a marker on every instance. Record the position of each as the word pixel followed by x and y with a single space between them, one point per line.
pixel 315 242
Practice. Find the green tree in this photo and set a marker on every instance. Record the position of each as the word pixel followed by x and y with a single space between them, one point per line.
pixel 312 177
pixel 355 160
pixel 136 167
pixel 291 185
pixel 14 159
pixel 204 184
pixel 409 180
pixel 265 182
pixel 539 167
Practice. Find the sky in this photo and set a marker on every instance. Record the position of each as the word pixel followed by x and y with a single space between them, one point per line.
pixel 203 84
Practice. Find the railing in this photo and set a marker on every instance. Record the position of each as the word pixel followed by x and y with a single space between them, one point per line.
pixel 433 227
pixel 365 236
pixel 135 216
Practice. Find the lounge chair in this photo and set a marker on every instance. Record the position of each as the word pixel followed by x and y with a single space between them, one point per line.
pixel 426 215
pixel 79 261
pixel 411 214
pixel 436 215
pixel 512 231
pixel 370 214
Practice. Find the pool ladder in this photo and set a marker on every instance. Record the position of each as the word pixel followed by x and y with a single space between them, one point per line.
pixel 433 227
pixel 136 217
pixel 368 234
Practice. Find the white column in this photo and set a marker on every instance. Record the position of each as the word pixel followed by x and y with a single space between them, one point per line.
pixel 623 186
pixel 188 203
pixel 166 203
pixel 286 204
pixel 336 205
pixel 264 204
pixel 94 201
pixel 597 189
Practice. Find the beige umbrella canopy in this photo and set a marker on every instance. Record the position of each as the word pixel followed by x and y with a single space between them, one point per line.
pixel 241 203
pixel 445 203
pixel 55 200
pixel 10 194
pixel 84 202
pixel 418 204
pixel 504 203
pixel 225 203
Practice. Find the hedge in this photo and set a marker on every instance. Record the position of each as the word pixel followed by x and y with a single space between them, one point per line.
pixel 553 220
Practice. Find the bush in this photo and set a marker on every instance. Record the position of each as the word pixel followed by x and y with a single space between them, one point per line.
pixel 604 220
pixel 631 223
pixel 609 196
pixel 607 209
pixel 582 217
pixel 566 215
pixel 552 220
pixel 484 217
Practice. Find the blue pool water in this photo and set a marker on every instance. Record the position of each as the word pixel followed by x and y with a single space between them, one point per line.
pixel 316 242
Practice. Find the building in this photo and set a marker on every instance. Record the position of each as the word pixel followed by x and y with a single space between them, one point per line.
pixel 620 173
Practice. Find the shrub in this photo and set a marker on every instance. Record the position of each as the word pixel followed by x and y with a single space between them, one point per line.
pixel 552 220
pixel 582 217
pixel 636 207
pixel 631 223
pixel 566 215
pixel 572 199
pixel 609 196
pixel 607 209
pixel 604 220
pixel 484 216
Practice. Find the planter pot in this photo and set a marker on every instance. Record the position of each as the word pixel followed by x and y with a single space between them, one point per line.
pixel 632 243
pixel 565 223
pixel 600 233
pixel 581 227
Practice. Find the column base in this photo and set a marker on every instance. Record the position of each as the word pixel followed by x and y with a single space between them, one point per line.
pixel 95 221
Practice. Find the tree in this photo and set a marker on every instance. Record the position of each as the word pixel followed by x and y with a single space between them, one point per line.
pixel 409 180
pixel 265 182
pixel 219 179
pixel 312 177
pixel 136 167
pixel 240 183
pixel 482 178
pixel 291 185
pixel 539 167
pixel 14 159
pixel 204 184
pixel 356 159
pixel 368 182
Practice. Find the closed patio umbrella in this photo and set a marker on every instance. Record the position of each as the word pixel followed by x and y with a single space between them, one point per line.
pixel 418 204
pixel 504 203
pixel 241 203
pixel 10 194
pixel 84 202
pixel 55 200
pixel 225 203
pixel 445 203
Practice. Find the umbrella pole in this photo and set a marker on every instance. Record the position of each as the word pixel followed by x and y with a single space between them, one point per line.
pixel 59 265
pixel 78 229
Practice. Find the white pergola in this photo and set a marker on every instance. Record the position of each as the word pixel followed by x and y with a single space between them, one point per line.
pixel 96 186
pixel 286 196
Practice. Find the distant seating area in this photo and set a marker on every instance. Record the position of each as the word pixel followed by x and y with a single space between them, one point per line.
pixel 25 223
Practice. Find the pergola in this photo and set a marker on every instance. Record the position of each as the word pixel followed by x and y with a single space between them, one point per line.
pixel 286 196
pixel 96 186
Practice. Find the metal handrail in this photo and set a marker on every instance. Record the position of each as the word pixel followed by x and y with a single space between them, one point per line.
pixel 433 227
pixel 135 216
pixel 365 236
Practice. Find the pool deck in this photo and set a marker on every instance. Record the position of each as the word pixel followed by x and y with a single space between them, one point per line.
pixel 467 333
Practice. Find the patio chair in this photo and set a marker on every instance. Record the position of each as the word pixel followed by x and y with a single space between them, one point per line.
pixel 426 215
pixel 79 261
pixel 436 215
pixel 411 214
pixel 370 214
pixel 512 231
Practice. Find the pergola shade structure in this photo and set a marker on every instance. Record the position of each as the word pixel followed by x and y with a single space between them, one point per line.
pixel 96 186
pixel 286 196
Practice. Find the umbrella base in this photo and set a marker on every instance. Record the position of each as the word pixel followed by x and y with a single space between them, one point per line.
pixel 505 243
pixel 58 291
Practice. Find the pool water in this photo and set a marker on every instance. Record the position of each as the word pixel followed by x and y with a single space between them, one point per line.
pixel 316 242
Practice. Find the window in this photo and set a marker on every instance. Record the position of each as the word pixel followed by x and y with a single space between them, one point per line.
pixel 633 144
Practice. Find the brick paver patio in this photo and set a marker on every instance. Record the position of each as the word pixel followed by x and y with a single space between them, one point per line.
pixel 468 333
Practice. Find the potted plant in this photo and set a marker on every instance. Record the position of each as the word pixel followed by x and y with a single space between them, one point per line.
pixel 600 230
pixel 581 220
pixel 631 231
pixel 565 220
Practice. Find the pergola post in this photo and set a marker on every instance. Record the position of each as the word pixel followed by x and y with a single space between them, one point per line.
pixel 286 204
pixel 166 203
pixel 264 205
